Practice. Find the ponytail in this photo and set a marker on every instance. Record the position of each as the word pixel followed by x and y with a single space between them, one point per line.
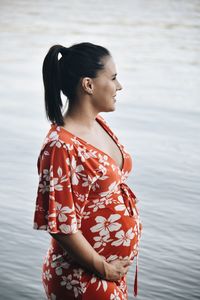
pixel 52 85
pixel 64 74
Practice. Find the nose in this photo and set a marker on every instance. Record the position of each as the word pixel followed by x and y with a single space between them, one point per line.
pixel 119 86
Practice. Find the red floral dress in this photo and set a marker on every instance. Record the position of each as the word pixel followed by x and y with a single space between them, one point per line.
pixel 82 188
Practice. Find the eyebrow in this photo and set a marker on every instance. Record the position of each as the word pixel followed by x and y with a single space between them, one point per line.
pixel 114 74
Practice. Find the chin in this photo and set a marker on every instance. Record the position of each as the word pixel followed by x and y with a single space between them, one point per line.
pixel 113 107
pixel 110 109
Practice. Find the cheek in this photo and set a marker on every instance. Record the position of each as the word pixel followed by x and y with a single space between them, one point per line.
pixel 108 89
pixel 104 91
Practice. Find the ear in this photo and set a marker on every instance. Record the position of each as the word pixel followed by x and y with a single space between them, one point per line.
pixel 87 85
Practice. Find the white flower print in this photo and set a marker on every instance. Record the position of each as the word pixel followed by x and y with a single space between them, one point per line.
pixel 79 213
pixel 55 186
pixel 55 183
pixel 103 177
pixel 102 169
pixel 68 147
pixel 95 186
pixel 80 197
pixel 101 283
pixel 47 275
pixel 51 197
pixel 75 141
pixel 86 214
pixel 93 153
pixel 111 189
pixel 134 251
pixel 94 178
pixel 120 207
pixel 59 263
pixel 69 228
pixel 46 174
pixel 97 204
pixel 123 238
pixel 120 198
pixel 114 167
pixel 112 257
pixel 83 287
pixel 54 137
pixel 124 175
pixel 83 154
pixel 43 187
pixel 101 240
pixel 61 212
pixel 70 284
pixel 46 259
pixel 103 159
pixel 87 181
pixel 46 153
pixel 108 201
pixel 123 287
pixel 104 226
pixel 52 224
pixel 77 273
pixel 75 170
pixel 115 296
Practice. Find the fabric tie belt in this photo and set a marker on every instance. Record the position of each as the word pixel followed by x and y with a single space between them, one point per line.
pixel 130 201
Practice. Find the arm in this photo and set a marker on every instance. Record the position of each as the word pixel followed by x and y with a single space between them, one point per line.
pixel 56 210
pixel 81 250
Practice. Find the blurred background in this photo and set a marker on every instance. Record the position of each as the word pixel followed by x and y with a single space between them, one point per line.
pixel 155 45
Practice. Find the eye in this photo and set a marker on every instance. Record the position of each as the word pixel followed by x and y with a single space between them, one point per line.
pixel 114 78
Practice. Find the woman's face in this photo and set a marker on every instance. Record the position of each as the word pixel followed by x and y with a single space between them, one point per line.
pixel 105 87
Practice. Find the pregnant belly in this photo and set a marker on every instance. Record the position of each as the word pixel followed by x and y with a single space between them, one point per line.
pixel 111 233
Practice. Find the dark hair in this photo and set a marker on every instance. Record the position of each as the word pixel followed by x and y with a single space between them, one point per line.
pixel 79 60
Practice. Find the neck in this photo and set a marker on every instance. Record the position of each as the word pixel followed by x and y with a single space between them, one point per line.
pixel 81 115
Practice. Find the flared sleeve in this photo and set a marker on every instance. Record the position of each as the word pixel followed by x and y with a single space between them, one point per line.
pixel 64 185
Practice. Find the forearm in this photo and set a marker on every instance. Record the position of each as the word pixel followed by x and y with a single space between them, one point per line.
pixel 81 250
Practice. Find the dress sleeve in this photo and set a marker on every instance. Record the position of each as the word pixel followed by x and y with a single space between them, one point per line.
pixel 62 191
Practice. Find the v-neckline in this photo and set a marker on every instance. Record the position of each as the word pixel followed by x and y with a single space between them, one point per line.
pixel 108 131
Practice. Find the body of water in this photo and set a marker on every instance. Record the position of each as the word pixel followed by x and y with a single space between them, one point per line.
pixel 155 45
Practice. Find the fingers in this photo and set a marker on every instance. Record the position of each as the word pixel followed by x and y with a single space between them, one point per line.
pixel 125 262
pixel 123 273
pixel 121 263
pixel 119 269
pixel 126 270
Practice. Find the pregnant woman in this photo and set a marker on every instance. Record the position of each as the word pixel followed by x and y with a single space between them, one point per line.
pixel 83 200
